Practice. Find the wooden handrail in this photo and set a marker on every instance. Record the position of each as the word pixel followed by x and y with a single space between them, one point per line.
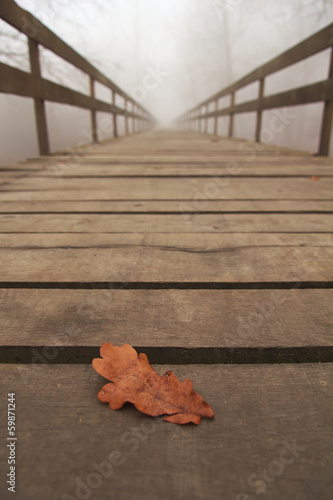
pixel 16 81
pixel 317 92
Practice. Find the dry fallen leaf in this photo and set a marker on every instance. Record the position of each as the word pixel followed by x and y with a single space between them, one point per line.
pixel 314 178
pixel 135 381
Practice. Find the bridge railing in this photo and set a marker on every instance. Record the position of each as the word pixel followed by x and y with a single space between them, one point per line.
pixel 316 92
pixel 18 82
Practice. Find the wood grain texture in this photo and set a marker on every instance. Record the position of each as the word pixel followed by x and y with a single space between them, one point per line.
pixel 63 168
pixel 164 318
pixel 160 223
pixel 259 412
pixel 144 206
pixel 195 189
pixel 199 257
pixel 208 158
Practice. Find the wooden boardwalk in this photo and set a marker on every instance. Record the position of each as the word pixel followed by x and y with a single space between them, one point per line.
pixel 213 256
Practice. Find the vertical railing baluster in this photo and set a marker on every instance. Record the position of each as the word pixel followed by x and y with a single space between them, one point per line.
pixel 93 118
pixel 134 119
pixel 206 119
pixel 126 117
pixel 39 104
pixel 231 120
pixel 326 124
pixel 259 112
pixel 215 117
pixel 114 116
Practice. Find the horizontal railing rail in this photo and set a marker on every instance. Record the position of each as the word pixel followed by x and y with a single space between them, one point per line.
pixel 316 92
pixel 18 82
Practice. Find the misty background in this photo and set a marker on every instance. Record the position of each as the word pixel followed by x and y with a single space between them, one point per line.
pixel 169 56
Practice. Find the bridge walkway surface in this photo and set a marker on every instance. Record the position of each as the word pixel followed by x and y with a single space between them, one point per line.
pixel 211 255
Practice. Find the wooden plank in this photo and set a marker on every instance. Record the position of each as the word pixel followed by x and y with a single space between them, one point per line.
pixel 246 155
pixel 223 206
pixel 205 142
pixel 259 416
pixel 187 258
pixel 194 189
pixel 186 318
pixel 9 176
pixel 77 169
pixel 245 152
pixel 160 223
pixel 20 167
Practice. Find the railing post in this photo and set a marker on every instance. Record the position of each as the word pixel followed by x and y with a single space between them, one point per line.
pixel 206 119
pixel 40 115
pixel 114 115
pixel 126 118
pixel 231 120
pixel 93 114
pixel 259 112
pixel 326 124
pixel 134 119
pixel 215 117
pixel 139 120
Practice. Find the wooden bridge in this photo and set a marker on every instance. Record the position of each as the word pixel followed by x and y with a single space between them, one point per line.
pixel 212 255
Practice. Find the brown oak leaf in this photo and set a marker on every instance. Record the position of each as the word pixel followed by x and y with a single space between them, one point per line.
pixel 135 381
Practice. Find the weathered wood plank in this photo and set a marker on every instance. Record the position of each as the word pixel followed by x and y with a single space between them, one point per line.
pixel 164 318
pixel 7 177
pixel 160 223
pixel 227 258
pixel 261 437
pixel 209 149
pixel 167 189
pixel 77 169
pixel 248 156
pixel 223 206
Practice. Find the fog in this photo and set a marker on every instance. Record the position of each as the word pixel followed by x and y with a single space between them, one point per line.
pixel 169 56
